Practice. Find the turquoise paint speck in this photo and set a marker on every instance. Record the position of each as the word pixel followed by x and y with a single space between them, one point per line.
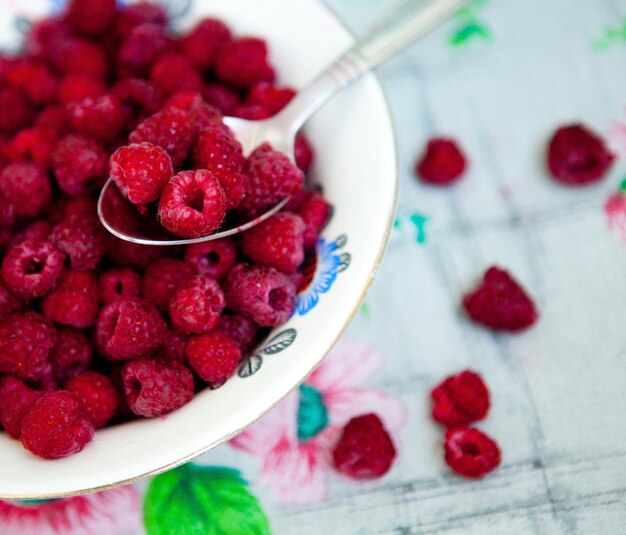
pixel 312 414
pixel 419 221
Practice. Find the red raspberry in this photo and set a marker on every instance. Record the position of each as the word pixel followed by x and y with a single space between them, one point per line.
pixel 35 231
pixel 271 177
pixel 81 237
pixel 141 48
pixel 91 17
pixel 202 43
pixel 74 301
pixel 270 97
pixel 186 99
pixel 217 150
pixel 25 193
pixel 25 341
pixel 66 207
pixel 156 387
pixel 365 449
pixel 17 112
pixel 70 355
pixel 138 96
pixel 213 258
pixel 277 242
pixel 303 153
pixel 171 129
pixel 31 268
pixel 33 145
pixel 162 278
pixel 315 212
pixel 125 253
pixel 9 304
pixel 213 356
pixel 45 36
pixel 471 453
pixel 264 295
pixel 175 72
pixel 100 118
pixel 442 163
pixel 192 204
pixel 55 118
pixel 240 329
pixel 141 171
pixel 251 112
pixel 80 55
pixel 243 62
pixel 79 164
pixel 221 96
pixel 577 156
pixel 500 303
pixel 460 400
pixel 56 426
pixel 196 306
pixel 129 329
pixel 96 395
pixel 173 347
pixel 16 399
pixel 77 86
pixel 205 115
pixel 117 283
pixel 132 15
pixel 35 80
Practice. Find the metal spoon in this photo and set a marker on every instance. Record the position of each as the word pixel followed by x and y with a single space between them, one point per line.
pixel 411 20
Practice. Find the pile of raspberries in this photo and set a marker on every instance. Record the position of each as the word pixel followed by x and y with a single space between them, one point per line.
pixel 95 330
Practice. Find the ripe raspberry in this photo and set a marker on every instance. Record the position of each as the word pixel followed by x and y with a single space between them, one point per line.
pixel 77 86
pixel 500 303
pixel 213 356
pixel 125 253
pixel 25 341
pixel 31 268
pixel 205 115
pixel 129 329
pixel 140 171
pixel 264 295
pixel 25 193
pixel 32 145
pixel 243 62
pixel 315 212
pixel 186 99
pixel 80 55
pixel 96 395
pixel 577 156
pixel 213 258
pixel 132 15
pixel 156 387
pixel 365 449
pixel 16 399
pixel 79 164
pixel 175 72
pixel 217 150
pixel 442 163
pixel 91 17
pixel 141 48
pixel 117 283
pixel 192 204
pixel 45 36
pixel 17 112
pixel 56 426
pixel 271 178
pixel 270 97
pixel 173 347
pixel 67 207
pixel 196 306
pixel 139 98
pixel 35 231
pixel 100 118
pixel 9 304
pixel 471 453
pixel 277 242
pixel 303 153
pixel 460 400
pixel 240 329
pixel 252 112
pixel 202 43
pixel 81 237
pixel 70 355
pixel 221 96
pixel 74 300
pixel 171 129
pixel 54 118
pixel 34 79
pixel 162 278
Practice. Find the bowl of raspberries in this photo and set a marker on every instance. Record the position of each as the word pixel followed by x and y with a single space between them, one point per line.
pixel 120 360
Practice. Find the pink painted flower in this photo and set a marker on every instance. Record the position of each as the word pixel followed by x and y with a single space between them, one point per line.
pixel 615 211
pixel 113 512
pixel 616 138
pixel 295 440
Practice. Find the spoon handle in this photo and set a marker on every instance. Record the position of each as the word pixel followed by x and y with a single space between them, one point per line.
pixel 413 19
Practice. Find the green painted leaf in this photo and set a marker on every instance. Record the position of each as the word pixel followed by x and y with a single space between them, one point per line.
pixel 203 500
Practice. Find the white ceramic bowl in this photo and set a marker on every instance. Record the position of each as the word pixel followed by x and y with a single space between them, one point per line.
pixel 356 163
